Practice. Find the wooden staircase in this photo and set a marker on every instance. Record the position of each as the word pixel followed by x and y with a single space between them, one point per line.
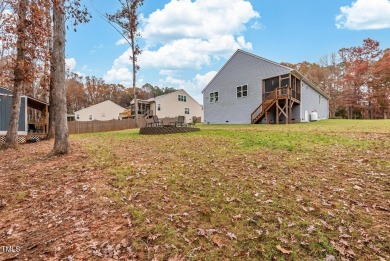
pixel 261 111
pixel 283 98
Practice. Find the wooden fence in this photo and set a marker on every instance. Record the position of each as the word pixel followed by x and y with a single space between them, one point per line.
pixel 79 127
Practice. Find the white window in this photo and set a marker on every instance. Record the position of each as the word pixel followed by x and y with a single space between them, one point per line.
pixel 182 98
pixel 158 107
pixel 242 91
pixel 213 97
pixel 186 110
pixel 78 116
pixel 90 117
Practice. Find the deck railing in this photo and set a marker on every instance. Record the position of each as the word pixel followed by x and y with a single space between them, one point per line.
pixel 278 93
pixel 261 109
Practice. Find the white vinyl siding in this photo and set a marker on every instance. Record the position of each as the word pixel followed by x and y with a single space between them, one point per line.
pixel 171 106
pixel 103 111
pixel 213 97
pixel 242 91
pixel 241 68
pixel 312 101
pixel 250 69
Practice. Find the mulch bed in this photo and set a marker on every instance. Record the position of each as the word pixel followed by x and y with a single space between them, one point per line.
pixel 165 130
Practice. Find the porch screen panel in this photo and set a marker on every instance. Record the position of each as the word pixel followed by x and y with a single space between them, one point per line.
pixel 270 85
pixel 285 82
pixel 298 89
pixel 5 112
pixel 22 115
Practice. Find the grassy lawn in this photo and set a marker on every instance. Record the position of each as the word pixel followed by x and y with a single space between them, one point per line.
pixel 229 192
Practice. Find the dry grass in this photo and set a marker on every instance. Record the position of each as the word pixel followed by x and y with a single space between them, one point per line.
pixel 298 192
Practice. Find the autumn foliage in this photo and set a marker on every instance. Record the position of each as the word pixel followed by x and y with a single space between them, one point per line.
pixel 356 78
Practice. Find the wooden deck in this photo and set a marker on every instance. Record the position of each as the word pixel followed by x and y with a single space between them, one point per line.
pixel 281 100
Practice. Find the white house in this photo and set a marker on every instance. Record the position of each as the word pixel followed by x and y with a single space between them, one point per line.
pixel 103 111
pixel 170 105
pixel 251 89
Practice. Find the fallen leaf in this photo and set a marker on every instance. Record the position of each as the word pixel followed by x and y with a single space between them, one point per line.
pixel 218 241
pixel 231 236
pixel 311 229
pixel 283 250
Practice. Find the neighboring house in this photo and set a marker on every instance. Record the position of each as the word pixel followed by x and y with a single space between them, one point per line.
pixel 251 89
pixel 170 105
pixel 103 111
pixel 27 125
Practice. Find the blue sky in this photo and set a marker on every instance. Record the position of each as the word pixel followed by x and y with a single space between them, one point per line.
pixel 186 42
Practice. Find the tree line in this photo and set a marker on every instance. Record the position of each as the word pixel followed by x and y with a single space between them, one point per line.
pixel 357 80
pixel 32 57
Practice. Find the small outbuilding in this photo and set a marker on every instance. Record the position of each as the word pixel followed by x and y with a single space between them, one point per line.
pixel 33 117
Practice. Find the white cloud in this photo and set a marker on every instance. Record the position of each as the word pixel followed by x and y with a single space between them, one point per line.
pixel 121 41
pixel 191 34
pixel 365 14
pixel 192 53
pixel 257 26
pixel 122 75
pixel 70 64
pixel 198 19
pixel 120 71
pixel 168 72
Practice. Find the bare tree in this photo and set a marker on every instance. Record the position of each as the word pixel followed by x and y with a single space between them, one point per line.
pixel 127 19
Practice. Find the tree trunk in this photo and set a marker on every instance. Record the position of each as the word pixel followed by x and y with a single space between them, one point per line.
pixel 51 112
pixel 11 138
pixel 51 106
pixel 134 79
pixel 61 143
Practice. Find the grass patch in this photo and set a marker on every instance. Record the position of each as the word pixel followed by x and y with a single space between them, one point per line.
pixel 244 192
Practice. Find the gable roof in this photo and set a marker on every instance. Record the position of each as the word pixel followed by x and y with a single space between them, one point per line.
pixel 171 93
pixel 5 91
pixel 100 103
pixel 274 63
pixel 31 102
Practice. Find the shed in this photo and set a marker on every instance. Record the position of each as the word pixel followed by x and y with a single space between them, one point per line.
pixel 29 126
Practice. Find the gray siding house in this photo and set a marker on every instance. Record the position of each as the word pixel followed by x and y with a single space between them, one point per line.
pixel 5 112
pixel 27 126
pixel 251 89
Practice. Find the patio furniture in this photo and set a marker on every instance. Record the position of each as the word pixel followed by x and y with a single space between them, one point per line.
pixel 157 122
pixel 181 121
pixel 149 122
pixel 194 121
